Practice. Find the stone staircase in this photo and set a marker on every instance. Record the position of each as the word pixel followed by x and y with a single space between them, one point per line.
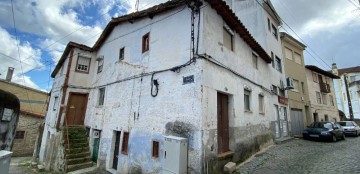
pixel 77 153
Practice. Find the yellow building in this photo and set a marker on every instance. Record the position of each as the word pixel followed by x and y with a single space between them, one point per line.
pixel 33 106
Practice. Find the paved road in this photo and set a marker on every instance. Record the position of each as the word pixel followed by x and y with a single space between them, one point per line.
pixel 302 156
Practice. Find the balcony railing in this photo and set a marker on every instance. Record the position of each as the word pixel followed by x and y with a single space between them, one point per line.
pixel 325 88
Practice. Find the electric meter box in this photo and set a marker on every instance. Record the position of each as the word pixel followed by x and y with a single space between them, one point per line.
pixel 175 155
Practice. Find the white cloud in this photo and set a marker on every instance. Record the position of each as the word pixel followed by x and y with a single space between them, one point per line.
pixel 9 57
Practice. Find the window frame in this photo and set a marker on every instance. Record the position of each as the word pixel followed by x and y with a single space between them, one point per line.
pixel 122 53
pixel 295 60
pixel 291 53
pixel 324 99
pixel 56 100
pixel 155 149
pixel 101 96
pixel 77 65
pixel 278 65
pixel 255 60
pixel 146 42
pixel 331 100
pixel 318 97
pixel 100 65
pixel 247 103
pixel 275 31
pixel 315 77
pixel 19 135
pixel 273 59
pixel 125 143
pixel 296 85
pixel 261 104
pixel 228 31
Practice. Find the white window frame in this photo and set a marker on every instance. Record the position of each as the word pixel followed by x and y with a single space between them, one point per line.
pixel 247 100
pixel 101 96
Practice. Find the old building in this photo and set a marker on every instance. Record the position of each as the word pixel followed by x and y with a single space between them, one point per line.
pixel 299 101
pixel 33 105
pixel 263 22
pixel 173 71
pixel 351 94
pixel 322 95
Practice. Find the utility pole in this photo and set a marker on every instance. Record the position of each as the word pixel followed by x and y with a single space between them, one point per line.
pixel 348 98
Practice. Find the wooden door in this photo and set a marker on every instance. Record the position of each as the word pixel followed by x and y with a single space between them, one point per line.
pixel 116 150
pixel 95 150
pixel 223 123
pixel 76 109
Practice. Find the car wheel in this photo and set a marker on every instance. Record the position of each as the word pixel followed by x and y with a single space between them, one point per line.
pixel 334 138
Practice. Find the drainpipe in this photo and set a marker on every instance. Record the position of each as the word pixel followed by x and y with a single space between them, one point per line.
pixel 348 98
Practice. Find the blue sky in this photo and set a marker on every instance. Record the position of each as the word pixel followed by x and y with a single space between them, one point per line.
pixel 330 29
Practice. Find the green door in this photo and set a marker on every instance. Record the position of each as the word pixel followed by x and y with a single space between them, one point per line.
pixel 96 149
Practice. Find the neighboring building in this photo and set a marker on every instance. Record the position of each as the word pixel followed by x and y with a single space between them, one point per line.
pixel 142 82
pixel 353 79
pixel 262 21
pixel 33 105
pixel 322 95
pixel 299 100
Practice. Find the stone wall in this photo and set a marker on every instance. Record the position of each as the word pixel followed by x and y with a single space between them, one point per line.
pixel 29 124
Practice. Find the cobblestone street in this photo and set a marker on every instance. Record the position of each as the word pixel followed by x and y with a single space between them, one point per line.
pixel 302 156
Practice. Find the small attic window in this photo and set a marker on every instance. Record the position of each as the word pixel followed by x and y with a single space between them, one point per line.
pixel 228 38
pixel 146 42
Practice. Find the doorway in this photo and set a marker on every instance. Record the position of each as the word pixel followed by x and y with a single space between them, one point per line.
pixel 223 123
pixel 76 109
pixel 116 149
pixel 315 117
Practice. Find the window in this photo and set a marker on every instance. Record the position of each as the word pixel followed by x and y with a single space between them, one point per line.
pixel 274 89
pixel 247 100
pixel 146 42
pixel 327 80
pixel 122 53
pixel 324 99
pixel 228 38
pixel 326 118
pixel 315 78
pixel 288 54
pixel 83 64
pixel 281 92
pixel 269 24
pixel 297 58
pixel 352 79
pixel 303 87
pixel 273 60
pixel 261 104
pixel 56 100
pixel 296 85
pixel 155 149
pixel 278 64
pixel 318 97
pixel 331 100
pixel 255 61
pixel 125 142
pixel 274 31
pixel 101 96
pixel 19 134
pixel 100 65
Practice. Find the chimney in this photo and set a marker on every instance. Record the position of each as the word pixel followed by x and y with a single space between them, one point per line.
pixel 334 69
pixel 9 74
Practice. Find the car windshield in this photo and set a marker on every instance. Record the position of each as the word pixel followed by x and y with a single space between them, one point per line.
pixel 321 125
pixel 346 123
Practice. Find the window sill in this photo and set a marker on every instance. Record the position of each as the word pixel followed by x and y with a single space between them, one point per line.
pixel 248 111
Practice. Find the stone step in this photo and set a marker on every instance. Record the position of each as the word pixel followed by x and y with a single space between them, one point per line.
pixel 77 155
pixel 75 141
pixel 76 150
pixel 79 166
pixel 78 160
pixel 77 145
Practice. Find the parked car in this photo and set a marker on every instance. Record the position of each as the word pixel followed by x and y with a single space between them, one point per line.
pixel 324 131
pixel 350 128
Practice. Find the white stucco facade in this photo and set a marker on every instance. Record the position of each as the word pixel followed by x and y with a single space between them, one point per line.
pixel 188 110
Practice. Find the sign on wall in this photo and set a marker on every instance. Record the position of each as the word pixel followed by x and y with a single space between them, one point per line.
pixel 7 114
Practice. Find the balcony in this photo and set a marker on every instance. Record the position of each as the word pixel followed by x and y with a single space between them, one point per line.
pixel 325 88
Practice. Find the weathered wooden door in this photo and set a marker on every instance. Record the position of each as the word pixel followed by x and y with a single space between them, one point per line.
pixel 96 149
pixel 76 109
pixel 116 149
pixel 297 121
pixel 223 123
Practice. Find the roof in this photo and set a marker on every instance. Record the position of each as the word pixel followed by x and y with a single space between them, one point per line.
pixel 68 47
pixel 220 6
pixel 271 10
pixel 284 35
pixel 321 71
pixel 25 87
pixel 349 70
